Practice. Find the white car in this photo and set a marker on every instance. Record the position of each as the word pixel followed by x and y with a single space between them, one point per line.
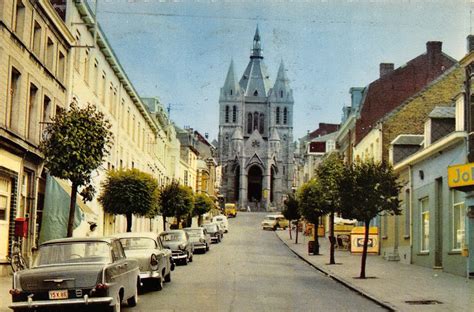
pixel 222 221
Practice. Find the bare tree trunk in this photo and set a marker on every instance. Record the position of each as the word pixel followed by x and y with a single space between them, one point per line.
pixel 332 239
pixel 129 222
pixel 297 225
pixel 164 223
pixel 316 239
pixel 72 210
pixel 289 227
pixel 364 250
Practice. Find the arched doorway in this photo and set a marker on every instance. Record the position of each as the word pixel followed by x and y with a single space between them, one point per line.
pixel 255 178
pixel 236 183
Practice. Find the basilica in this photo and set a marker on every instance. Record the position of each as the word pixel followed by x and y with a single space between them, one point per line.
pixel 256 135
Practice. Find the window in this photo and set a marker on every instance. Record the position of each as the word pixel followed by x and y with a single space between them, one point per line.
pixel 102 88
pixel 459 226
pixel 255 93
pixel 122 113
pixel 13 109
pixel 37 39
pixel 227 114
pixel 61 66
pixel 32 123
pixel 234 113
pixel 255 121
pixel 4 197
pixel 425 225
pixel 46 109
pixel 50 54
pixel 281 93
pixel 86 67
pixel 230 91
pixel 133 129
pixel 249 123
pixel 261 123
pixel 277 115
pixel 77 52
pixel 95 76
pixel 111 99
pixel 59 110
pixel 407 213
pixel 285 116
pixel 19 18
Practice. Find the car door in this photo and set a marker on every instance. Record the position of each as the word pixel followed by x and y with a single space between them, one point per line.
pixel 124 268
pixel 161 256
pixel 166 256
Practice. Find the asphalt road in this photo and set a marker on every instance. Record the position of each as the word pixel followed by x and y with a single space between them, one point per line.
pixel 251 270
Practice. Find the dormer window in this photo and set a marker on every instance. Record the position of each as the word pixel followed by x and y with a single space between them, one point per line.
pixel 255 93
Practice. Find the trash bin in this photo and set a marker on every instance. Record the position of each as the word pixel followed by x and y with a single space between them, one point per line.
pixel 313 248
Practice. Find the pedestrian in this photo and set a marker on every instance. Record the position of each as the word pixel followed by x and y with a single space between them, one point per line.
pixel 248 208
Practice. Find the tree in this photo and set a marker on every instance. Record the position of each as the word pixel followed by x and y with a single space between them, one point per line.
pixel 202 204
pixel 176 200
pixel 309 196
pixel 329 173
pixel 74 145
pixel 369 188
pixel 291 212
pixel 129 192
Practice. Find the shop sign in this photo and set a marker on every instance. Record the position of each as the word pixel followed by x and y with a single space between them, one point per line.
pixel 461 175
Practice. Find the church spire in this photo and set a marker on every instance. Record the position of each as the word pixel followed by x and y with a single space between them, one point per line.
pixel 257 46
pixel 231 86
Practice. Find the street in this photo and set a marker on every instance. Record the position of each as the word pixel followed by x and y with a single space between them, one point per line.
pixel 251 270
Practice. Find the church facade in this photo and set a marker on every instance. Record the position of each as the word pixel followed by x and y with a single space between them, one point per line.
pixel 256 135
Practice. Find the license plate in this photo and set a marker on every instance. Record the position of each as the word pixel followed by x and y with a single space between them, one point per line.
pixel 57 294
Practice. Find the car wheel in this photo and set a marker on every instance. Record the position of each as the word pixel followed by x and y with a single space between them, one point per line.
pixel 191 258
pixel 132 301
pixel 185 261
pixel 168 277
pixel 207 247
pixel 158 284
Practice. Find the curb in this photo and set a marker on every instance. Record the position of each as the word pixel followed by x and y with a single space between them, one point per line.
pixel 340 280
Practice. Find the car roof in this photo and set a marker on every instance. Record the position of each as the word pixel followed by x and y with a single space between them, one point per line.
pixel 136 234
pixel 171 232
pixel 80 239
pixel 193 229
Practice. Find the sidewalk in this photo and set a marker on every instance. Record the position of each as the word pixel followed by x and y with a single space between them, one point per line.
pixel 5 298
pixel 390 283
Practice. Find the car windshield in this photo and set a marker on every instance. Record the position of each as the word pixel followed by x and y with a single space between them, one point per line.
pixel 132 243
pixel 270 218
pixel 219 219
pixel 74 252
pixel 194 233
pixel 170 237
pixel 211 227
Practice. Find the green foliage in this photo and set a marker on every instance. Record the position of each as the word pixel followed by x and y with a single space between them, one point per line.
pixel 367 189
pixel 329 173
pixel 176 200
pixel 202 204
pixel 309 197
pixel 75 143
pixel 291 208
pixel 130 192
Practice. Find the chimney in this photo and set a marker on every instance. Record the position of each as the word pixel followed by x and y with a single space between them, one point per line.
pixel 386 68
pixel 470 43
pixel 433 48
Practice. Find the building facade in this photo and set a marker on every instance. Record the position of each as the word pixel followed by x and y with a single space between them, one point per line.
pixel 256 135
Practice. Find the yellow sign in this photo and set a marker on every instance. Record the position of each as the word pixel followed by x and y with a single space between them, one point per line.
pixel 461 175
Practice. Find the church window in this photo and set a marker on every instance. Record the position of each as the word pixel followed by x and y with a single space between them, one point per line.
pixel 255 93
pixel 249 123
pixel 281 93
pixel 278 115
pixel 230 91
pixel 234 113
pixel 255 121
pixel 285 116
pixel 227 114
pixel 261 123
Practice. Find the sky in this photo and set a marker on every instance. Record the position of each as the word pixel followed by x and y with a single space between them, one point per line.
pixel 180 51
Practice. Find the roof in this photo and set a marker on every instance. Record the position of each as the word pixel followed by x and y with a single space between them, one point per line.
pixel 408 139
pixel 443 112
pixel 324 138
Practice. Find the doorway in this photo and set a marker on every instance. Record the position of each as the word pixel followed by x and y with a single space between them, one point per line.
pixel 255 178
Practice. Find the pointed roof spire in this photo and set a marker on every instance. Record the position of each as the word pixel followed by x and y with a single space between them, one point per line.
pixel 257 46
pixel 282 72
pixel 282 84
pixel 231 85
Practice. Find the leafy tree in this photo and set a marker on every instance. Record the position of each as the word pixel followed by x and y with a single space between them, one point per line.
pixel 129 192
pixel 176 200
pixel 369 188
pixel 291 212
pixel 309 196
pixel 202 204
pixel 329 174
pixel 74 145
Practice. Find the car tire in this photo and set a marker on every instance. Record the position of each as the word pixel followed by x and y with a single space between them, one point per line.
pixel 132 301
pixel 191 258
pixel 185 261
pixel 168 277
pixel 158 284
pixel 207 247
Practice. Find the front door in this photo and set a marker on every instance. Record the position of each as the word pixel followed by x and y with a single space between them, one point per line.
pixel 255 178
pixel 5 194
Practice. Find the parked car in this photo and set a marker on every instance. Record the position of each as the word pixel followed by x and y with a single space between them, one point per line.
pixel 222 221
pixel 230 210
pixel 75 272
pixel 200 238
pixel 179 244
pixel 155 261
pixel 214 231
pixel 274 221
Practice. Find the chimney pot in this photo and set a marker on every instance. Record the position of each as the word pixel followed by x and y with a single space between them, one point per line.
pixel 386 68
pixel 433 47
pixel 470 43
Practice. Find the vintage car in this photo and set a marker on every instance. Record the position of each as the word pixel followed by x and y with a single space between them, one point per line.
pixel 274 221
pixel 179 244
pixel 230 210
pixel 200 238
pixel 154 260
pixel 77 272
pixel 222 221
pixel 214 231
